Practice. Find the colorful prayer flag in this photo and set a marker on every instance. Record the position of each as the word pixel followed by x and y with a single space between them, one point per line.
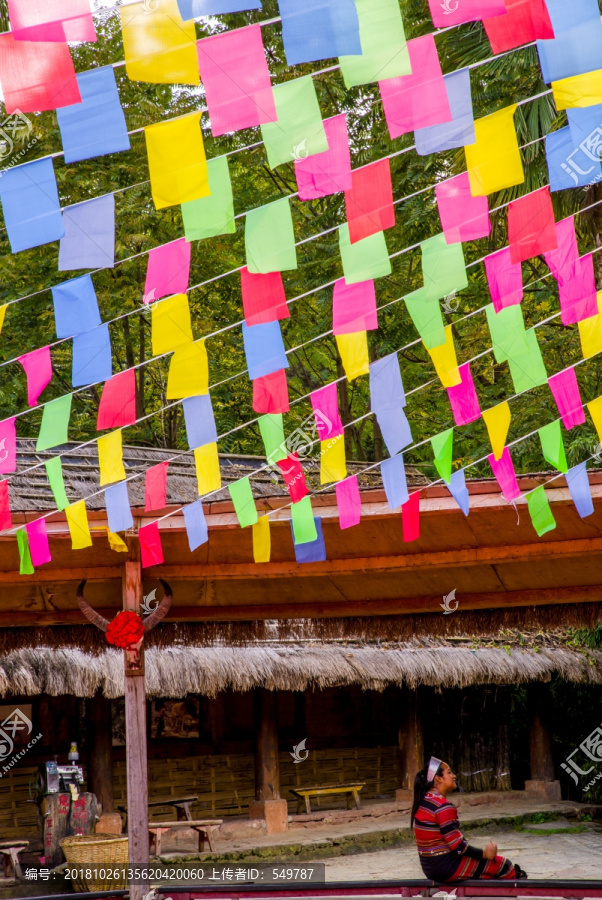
pixel 208 472
pixel 497 420
pixel 264 349
pixel 459 491
pixel 463 217
pixel 194 9
pixel 8 446
pixel 563 262
pixel 353 350
pixel 270 393
pixel 365 259
pixel 119 513
pixel 443 268
pixel 89 239
pixel 384 48
pixel 463 398
pixel 294 477
pixel 494 161
pixel 51 20
pixel 176 159
pixel 445 362
pixel 151 550
pixel 333 466
pixel 77 522
pixel 394 481
pixel 303 522
pixel 565 390
pixel 263 297
pixel 523 22
pixel 270 238
pixel 110 457
pixel 236 79
pixel 353 307
pixel 563 170
pixel 503 470
pixel 460 130
pixel 319 30
pixel 91 357
pixel 427 318
pixel 386 385
pixel 262 545
pixel 508 335
pixel 212 215
pixel 37 538
pixel 199 420
pixel 297 129
pixel 30 203
pixel 580 90
pixel 168 270
pixel 542 517
pixel 170 324
pixel 310 551
pixel 96 125
pixel 369 203
pixel 552 447
pixel 6 519
pixel 75 306
pixel 196 524
pixel 349 502
pixel 528 370
pixel 325 404
pixel 590 332
pixel 505 279
pixel 244 503
pixel 271 428
pixel 575 51
pixel 117 407
pixel 410 518
pixel 188 371
pixel 531 225
pixel 159 47
pixel 25 566
pixel 594 407
pixel 578 295
pixel 155 487
pixel 581 494
pixel 443 446
pixel 55 423
pixel 323 174
pixel 36 76
pixel 38 368
pixel 465 11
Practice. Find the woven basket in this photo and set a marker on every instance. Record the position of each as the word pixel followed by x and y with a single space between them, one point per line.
pixel 97 852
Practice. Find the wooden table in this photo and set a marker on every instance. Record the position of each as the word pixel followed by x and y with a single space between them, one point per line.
pixel 203 827
pixel 10 856
pixel 351 788
pixel 181 805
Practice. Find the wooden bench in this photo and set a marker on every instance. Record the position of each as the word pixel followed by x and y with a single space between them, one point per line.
pixel 180 804
pixel 351 788
pixel 203 827
pixel 10 857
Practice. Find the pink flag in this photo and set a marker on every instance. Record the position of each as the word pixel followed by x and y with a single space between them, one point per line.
pixel 329 172
pixel 155 487
pixel 236 79
pixel 6 519
pixel 263 297
pixel 445 14
pixel 117 407
pixel 8 446
pixel 39 548
pixel 463 217
pixel 325 403
pixel 36 76
pixel 578 296
pixel 168 270
pixel 463 398
pixel 410 517
pixel 51 20
pixel 564 261
pixel 151 551
pixel 565 389
pixel 349 502
pixel 38 368
pixel 353 307
pixel 420 99
pixel 369 202
pixel 294 477
pixel 503 469
pixel 505 279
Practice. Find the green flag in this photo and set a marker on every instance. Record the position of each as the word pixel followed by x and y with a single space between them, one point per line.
pixel 299 129
pixel 508 335
pixel 55 423
pixel 304 527
pixel 270 239
pixel 244 504
pixel 427 318
pixel 25 564
pixel 528 370
pixel 443 445
pixel 54 471
pixel 365 259
pixel 540 512
pixel 443 268
pixel 384 49
pixel 272 433
pixel 552 446
pixel 213 215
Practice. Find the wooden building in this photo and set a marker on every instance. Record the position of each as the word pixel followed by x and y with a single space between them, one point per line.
pixel 353 654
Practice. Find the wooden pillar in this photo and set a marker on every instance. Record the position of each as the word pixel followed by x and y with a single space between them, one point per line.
pixel 542 780
pixel 411 743
pixel 99 744
pixel 267 804
pixel 135 741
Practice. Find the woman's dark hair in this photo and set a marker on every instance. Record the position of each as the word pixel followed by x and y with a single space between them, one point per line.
pixel 421 786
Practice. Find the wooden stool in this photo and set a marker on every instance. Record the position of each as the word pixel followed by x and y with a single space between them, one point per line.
pixel 203 828
pixel 10 857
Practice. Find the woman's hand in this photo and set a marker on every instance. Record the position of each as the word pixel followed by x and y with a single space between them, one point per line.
pixel 490 851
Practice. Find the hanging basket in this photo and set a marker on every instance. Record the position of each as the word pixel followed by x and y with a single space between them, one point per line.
pixel 102 854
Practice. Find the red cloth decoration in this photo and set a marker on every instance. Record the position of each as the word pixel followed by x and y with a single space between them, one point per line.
pixel 118 402
pixel 36 76
pixel 155 487
pixel 410 517
pixel 294 477
pixel 270 393
pixel 51 20
pixel 531 225
pixel 6 519
pixel 263 297
pixel 125 630
pixel 524 21
pixel 151 550
pixel 369 203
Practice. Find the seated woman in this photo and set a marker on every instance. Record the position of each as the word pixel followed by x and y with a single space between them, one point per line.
pixel 445 855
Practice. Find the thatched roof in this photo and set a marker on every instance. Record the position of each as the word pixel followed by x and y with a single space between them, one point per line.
pixel 295 666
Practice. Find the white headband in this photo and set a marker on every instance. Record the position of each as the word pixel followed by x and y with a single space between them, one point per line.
pixel 434 764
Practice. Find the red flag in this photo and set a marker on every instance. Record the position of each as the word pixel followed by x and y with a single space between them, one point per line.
pixel 270 393
pixel 118 402
pixel 369 203
pixel 263 297
pixel 294 477
pixel 410 517
pixel 36 76
pixel 524 21
pixel 531 225
pixel 155 487
pixel 6 520
pixel 150 545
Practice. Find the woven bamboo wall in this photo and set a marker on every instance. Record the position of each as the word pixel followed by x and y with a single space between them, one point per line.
pixel 18 818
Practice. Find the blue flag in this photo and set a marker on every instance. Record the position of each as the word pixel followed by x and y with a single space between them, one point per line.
pixel 119 513
pixel 460 131
pixel 568 165
pixel 264 349
pixel 194 9
pixel 75 306
pixel 313 551
pixel 91 357
pixel 319 29
pixel 196 524
pixel 459 491
pixel 394 481
pixel 578 484
pixel 89 241
pixel 96 126
pixel 30 203
pixel 200 421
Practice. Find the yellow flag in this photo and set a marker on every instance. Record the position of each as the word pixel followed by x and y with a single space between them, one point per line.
pixel 494 161
pixel 590 332
pixel 176 159
pixel 77 520
pixel 116 543
pixel 497 420
pixel 353 350
pixel 2 315
pixel 208 474
pixel 595 411
pixel 110 457
pixel 262 544
pixel 445 362
pixel 170 324
pixel 159 47
pixel 579 90
pixel 188 372
pixel 332 460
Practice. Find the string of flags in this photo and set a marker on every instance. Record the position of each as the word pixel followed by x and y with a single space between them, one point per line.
pixel 367 36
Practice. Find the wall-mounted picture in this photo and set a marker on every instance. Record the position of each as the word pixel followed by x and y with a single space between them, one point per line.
pixel 175 718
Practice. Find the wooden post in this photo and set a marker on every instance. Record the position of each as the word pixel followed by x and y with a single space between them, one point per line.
pixel 267 804
pixel 411 744
pixel 542 780
pixel 135 741
pixel 100 750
